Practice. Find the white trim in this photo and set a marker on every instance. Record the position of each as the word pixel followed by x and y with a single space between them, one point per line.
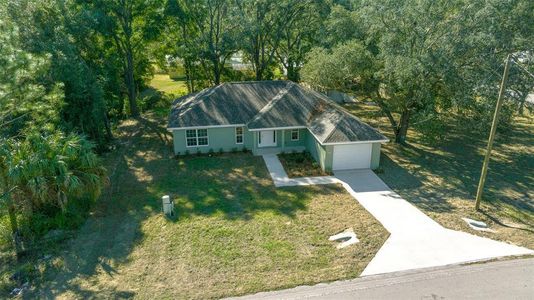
pixel 291 135
pixel 278 128
pixel 357 142
pixel 197 137
pixel 242 135
pixel 170 129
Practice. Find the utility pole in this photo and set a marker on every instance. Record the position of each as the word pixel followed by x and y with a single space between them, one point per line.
pixel 492 134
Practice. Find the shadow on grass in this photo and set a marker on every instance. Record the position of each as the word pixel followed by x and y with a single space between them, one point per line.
pixel 142 170
pixel 429 175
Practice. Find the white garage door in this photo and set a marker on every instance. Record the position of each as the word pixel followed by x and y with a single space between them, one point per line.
pixel 354 156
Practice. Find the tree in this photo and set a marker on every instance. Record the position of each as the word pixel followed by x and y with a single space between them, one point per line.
pixel 261 24
pixel 67 35
pixel 180 39
pixel 38 164
pixel 131 25
pixel 301 21
pixel 217 33
pixel 410 60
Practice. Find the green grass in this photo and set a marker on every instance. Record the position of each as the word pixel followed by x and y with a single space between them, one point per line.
pixel 442 178
pixel 168 86
pixel 235 233
pixel 301 165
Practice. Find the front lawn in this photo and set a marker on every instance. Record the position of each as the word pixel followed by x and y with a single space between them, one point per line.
pixel 301 164
pixel 235 233
pixel 441 178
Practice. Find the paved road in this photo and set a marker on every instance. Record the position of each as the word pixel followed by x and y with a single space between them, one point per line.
pixel 511 279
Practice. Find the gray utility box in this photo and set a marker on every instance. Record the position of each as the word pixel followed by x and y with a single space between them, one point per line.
pixel 168 205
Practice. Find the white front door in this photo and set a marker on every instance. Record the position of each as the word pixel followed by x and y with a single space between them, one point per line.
pixel 267 138
pixel 352 156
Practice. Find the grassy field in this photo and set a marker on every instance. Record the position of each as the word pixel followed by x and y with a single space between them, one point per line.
pixel 235 233
pixel 166 85
pixel 300 165
pixel 441 179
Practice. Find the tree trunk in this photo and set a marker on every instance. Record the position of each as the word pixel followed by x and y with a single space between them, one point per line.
pixel 108 126
pixel 130 83
pixel 292 73
pixel 14 226
pixel 188 77
pixel 402 129
pixel 216 72
pixel 259 74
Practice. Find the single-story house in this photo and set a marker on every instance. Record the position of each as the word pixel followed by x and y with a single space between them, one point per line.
pixel 273 117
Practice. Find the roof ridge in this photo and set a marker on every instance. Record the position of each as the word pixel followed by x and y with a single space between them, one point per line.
pixel 273 101
pixel 255 81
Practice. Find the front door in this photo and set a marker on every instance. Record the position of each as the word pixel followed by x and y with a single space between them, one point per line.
pixel 267 138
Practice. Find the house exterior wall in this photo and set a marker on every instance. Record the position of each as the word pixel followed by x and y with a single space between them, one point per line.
pixel 318 152
pixel 301 142
pixel 375 156
pixel 218 138
pixel 224 138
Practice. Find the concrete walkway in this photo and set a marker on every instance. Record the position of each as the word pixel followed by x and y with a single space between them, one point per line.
pixel 416 240
pixel 280 178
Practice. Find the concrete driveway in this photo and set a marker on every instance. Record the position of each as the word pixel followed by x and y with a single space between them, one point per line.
pixel 416 241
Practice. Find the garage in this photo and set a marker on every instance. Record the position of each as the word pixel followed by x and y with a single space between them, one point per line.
pixel 352 156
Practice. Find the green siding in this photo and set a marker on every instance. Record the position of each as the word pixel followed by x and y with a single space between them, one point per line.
pixel 217 138
pixel 329 158
pixel 318 151
pixel 375 156
pixel 300 142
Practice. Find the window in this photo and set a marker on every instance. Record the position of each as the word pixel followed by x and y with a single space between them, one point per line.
pixel 239 135
pixel 196 137
pixel 295 135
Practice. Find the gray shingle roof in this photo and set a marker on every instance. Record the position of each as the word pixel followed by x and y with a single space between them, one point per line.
pixel 270 104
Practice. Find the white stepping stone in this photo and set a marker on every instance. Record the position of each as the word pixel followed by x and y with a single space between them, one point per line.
pixel 346 238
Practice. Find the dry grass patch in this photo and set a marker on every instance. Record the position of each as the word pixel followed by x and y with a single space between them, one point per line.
pixel 235 232
pixel 441 178
pixel 301 164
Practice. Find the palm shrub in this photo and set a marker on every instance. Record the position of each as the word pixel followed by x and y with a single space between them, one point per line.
pixel 43 171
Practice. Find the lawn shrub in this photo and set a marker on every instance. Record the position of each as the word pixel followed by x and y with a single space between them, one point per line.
pixel 211 151
pixel 245 150
pixel 234 150
pixel 187 152
pixel 51 217
pixel 221 150
pixel 199 152
pixel 299 158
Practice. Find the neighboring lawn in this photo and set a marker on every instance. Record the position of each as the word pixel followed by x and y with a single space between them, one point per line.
pixel 168 86
pixel 235 232
pixel 301 164
pixel 441 179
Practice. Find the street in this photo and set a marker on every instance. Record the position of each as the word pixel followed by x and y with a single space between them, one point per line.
pixel 508 279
